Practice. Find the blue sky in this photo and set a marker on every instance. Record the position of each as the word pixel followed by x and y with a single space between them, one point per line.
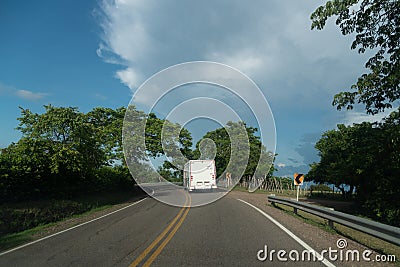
pixel 96 53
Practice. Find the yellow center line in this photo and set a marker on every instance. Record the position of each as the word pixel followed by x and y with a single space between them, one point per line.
pixel 160 237
pixel 169 237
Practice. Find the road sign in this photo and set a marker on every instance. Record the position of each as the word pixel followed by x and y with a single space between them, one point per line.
pixel 228 179
pixel 298 178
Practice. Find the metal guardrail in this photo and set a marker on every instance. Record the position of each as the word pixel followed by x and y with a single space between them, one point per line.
pixel 379 230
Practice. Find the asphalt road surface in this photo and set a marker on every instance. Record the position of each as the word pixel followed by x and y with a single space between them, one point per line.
pixel 227 232
pixel 177 196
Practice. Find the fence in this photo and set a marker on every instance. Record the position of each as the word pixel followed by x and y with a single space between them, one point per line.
pixel 274 185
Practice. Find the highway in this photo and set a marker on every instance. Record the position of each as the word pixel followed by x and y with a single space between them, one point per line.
pixel 227 232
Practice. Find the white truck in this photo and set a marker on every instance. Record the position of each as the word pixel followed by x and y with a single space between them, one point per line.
pixel 199 174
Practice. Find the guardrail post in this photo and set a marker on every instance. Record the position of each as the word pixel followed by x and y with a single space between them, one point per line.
pixel 330 222
pixel 295 210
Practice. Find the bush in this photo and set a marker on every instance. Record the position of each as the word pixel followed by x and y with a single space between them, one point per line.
pixel 17 217
pixel 15 220
pixel 320 187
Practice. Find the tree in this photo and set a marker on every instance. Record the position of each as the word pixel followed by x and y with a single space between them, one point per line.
pixel 66 144
pixel 376 24
pixel 23 171
pixel 64 152
pixel 133 140
pixel 348 158
pixel 238 150
pixel 71 144
pixel 164 138
pixel 58 155
pixel 365 157
pixel 147 136
pixel 384 200
pixel 107 124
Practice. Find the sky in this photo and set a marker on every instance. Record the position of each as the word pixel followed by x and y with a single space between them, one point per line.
pixel 97 53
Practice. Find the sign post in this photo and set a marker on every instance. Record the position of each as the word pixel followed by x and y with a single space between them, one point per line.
pixel 228 179
pixel 298 181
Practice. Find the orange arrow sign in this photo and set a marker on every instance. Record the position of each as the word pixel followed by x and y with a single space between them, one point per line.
pixel 298 178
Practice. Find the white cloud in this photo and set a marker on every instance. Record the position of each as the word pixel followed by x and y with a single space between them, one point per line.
pixel 352 116
pixel 298 70
pixel 243 60
pixel 288 170
pixel 269 41
pixel 100 96
pixel 124 32
pixel 281 165
pixel 129 77
pixel 24 94
pixel 28 95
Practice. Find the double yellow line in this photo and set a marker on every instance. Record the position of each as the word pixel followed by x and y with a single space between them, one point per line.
pixel 181 217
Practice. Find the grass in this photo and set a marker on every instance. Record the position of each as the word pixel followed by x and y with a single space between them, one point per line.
pixel 91 203
pixel 283 193
pixel 306 217
pixel 15 239
pixel 371 242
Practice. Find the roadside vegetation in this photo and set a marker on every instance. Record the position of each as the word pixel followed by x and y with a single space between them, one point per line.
pixel 364 159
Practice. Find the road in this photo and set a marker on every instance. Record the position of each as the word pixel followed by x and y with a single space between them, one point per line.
pixel 175 195
pixel 227 232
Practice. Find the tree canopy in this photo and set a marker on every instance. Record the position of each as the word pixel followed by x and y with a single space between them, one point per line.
pixel 235 148
pixel 364 157
pixel 233 137
pixel 65 152
pixel 376 27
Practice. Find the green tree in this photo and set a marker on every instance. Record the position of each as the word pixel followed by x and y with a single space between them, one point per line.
pixel 57 155
pixel 237 145
pixel 220 138
pixel 107 124
pixel 376 24
pixel 71 144
pixel 347 158
pixel 384 199
pixel 147 136
pixel 365 157
pixel 22 171
pixel 164 138
pixel 134 148
pixel 64 152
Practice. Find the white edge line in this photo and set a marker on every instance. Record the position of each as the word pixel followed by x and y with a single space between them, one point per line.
pixel 150 194
pixel 301 242
pixel 66 230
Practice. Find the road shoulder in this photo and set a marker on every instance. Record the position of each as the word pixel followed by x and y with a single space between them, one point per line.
pixel 316 237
